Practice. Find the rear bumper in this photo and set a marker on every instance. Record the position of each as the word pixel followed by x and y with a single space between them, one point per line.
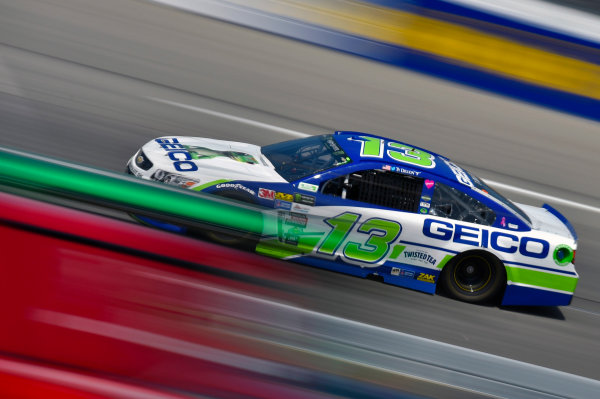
pixel 523 295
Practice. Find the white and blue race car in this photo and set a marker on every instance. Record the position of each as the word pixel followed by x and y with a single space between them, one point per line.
pixel 372 207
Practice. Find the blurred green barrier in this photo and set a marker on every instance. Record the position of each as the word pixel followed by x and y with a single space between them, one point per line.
pixel 40 174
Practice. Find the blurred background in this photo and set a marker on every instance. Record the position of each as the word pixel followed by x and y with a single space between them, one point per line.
pixel 510 90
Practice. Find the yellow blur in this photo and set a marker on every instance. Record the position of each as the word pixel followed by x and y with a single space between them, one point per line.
pixel 458 44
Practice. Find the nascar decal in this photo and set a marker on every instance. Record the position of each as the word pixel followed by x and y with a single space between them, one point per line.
pixel 284 196
pixel 304 199
pixel 174 179
pixel 236 186
pixel 419 256
pixel 428 278
pixel 460 174
pixel 345 236
pixel 374 147
pixel 370 242
pixel 397 271
pixel 280 204
pixel 308 187
pixel 182 160
pixel 398 169
pixel 411 274
pixel 480 237
pixel 266 194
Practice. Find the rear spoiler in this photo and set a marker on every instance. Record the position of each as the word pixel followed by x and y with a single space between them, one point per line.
pixel 562 219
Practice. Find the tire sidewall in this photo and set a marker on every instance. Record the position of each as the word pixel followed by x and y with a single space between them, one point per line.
pixel 493 289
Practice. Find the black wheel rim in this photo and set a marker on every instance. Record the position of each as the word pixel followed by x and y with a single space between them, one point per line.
pixel 473 274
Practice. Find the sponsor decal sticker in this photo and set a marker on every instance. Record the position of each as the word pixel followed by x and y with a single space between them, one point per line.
pixel 426 198
pixel 428 278
pixel 300 208
pixel 292 236
pixel 280 204
pixel 420 256
pixel 513 226
pixel 135 172
pixel 460 174
pixel 400 169
pixel 236 186
pixel 182 159
pixel 429 183
pixel 292 219
pixel 296 219
pixel 425 204
pixel 174 179
pixel 423 211
pixel 332 145
pixel 304 199
pixel 266 194
pixel 396 271
pixel 308 187
pixel 498 240
pixel 284 196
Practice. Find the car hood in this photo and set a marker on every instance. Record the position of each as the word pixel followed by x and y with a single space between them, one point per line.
pixel 549 220
pixel 214 159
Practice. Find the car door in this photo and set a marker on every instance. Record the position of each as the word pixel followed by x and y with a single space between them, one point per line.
pixel 357 221
pixel 359 217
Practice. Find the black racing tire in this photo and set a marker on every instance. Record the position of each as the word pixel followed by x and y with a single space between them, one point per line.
pixel 243 240
pixel 475 277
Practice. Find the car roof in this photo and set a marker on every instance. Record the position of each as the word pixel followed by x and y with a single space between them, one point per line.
pixel 442 166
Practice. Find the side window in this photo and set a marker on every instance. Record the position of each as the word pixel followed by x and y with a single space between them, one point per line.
pixel 378 187
pixel 452 203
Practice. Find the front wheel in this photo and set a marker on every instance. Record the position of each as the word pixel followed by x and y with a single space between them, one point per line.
pixel 474 277
pixel 243 239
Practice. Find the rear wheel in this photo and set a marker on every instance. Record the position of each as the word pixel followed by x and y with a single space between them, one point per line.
pixel 474 277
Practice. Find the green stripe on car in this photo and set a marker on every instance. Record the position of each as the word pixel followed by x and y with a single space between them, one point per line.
pixel 541 279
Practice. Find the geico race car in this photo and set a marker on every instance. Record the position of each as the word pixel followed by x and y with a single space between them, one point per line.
pixel 372 207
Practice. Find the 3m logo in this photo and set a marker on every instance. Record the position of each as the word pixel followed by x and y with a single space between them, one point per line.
pixel 266 193
pixel 429 278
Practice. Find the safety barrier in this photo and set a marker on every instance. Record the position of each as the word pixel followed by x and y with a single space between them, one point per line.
pixel 536 64
pixel 118 191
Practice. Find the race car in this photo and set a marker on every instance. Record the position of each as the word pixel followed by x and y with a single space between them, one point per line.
pixel 373 207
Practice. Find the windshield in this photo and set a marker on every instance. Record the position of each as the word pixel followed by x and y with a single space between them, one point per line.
pixel 296 159
pixel 482 186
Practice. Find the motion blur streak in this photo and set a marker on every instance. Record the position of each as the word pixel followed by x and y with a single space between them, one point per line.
pixel 155 341
pixel 459 43
pixel 515 61
pixel 28 380
pixel 138 317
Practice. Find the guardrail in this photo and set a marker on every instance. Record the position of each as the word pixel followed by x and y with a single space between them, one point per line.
pixel 126 193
